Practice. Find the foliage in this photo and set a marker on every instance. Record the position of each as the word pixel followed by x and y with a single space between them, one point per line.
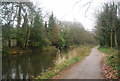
pixel 5 52
pixel 106 50
pixel 24 22
pixel 53 72
pixel 108 34
pixel 37 36
pixel 61 42
pixel 107 25
pixel 75 34
pixel 112 58
pixel 51 29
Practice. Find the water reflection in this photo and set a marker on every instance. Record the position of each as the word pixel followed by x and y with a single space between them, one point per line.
pixel 26 66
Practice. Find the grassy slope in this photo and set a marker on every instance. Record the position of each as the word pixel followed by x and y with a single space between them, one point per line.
pixel 112 58
pixel 85 50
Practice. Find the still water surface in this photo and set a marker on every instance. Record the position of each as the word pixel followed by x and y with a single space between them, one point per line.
pixel 26 66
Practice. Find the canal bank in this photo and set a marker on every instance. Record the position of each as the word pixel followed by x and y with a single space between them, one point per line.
pixel 76 55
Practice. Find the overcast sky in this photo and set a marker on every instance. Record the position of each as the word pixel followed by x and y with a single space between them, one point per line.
pixel 70 11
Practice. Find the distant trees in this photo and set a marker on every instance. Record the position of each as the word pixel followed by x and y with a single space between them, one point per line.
pixel 24 23
pixel 107 26
pixel 74 34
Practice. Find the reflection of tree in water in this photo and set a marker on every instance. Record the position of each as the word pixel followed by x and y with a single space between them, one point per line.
pixel 41 62
pixel 26 66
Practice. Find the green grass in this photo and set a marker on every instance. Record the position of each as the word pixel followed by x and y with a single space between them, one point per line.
pixel 57 69
pixel 106 50
pixel 112 58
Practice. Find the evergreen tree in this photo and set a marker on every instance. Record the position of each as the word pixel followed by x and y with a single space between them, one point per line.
pixel 37 31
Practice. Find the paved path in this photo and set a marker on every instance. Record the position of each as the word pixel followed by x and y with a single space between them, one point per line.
pixel 89 68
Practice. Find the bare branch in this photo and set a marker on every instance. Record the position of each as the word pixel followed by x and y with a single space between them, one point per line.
pixel 88 3
pixel 77 2
pixel 88 8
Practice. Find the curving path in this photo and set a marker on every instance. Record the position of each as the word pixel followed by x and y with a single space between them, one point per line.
pixel 89 68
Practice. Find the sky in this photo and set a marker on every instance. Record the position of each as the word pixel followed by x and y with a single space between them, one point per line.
pixel 73 10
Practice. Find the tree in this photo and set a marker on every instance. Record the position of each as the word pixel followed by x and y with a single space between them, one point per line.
pixel 8 14
pixel 37 31
pixel 107 26
pixel 73 33
pixel 25 32
pixel 53 30
pixel 17 15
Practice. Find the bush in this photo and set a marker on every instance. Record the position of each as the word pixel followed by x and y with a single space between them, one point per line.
pixel 5 51
pixel 61 42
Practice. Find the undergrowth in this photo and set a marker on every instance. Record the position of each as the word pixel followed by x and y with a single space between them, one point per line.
pixel 83 51
pixel 112 59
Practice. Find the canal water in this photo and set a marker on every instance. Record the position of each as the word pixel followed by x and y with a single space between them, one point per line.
pixel 27 66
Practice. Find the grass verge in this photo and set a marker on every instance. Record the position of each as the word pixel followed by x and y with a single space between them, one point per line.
pixel 57 69
pixel 111 60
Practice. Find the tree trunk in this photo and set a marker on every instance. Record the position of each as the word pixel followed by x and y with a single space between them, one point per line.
pixel 111 38
pixel 27 38
pixel 19 15
pixel 9 42
pixel 24 41
pixel 115 37
pixel 19 22
pixel 9 38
